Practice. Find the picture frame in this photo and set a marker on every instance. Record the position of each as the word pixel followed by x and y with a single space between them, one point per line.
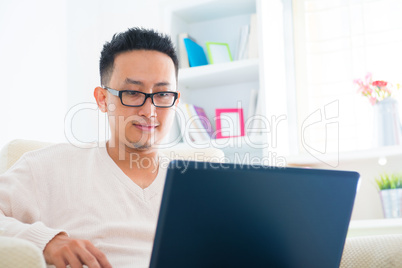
pixel 218 52
pixel 229 123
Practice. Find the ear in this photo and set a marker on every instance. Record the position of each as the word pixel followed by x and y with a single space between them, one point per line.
pixel 178 98
pixel 100 97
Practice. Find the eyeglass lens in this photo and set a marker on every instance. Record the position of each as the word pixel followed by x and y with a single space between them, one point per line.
pixel 137 98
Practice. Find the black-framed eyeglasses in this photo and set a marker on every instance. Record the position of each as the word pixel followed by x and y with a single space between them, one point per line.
pixel 132 98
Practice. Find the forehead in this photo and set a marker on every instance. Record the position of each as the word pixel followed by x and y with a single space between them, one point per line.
pixel 147 66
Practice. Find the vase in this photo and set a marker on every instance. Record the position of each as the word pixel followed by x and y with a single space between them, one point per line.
pixel 387 126
pixel 391 203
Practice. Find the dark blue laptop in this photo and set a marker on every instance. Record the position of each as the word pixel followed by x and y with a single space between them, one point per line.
pixel 232 215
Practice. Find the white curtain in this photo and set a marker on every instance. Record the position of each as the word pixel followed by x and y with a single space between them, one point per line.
pixel 337 41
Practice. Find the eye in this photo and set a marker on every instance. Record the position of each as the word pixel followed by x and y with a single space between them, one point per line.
pixel 165 95
pixel 132 93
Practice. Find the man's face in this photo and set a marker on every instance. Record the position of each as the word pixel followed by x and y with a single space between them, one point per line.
pixel 148 72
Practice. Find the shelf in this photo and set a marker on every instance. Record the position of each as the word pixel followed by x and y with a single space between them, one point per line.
pixel 380 152
pixel 375 227
pixel 196 11
pixel 214 75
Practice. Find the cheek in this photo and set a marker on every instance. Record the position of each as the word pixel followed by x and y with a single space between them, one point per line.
pixel 167 118
pixel 120 111
pixel 120 118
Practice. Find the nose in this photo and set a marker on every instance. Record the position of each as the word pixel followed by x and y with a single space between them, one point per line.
pixel 148 109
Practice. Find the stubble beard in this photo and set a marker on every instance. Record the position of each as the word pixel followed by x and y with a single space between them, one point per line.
pixel 140 146
pixel 147 141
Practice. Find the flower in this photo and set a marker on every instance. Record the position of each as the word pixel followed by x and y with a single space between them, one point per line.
pixel 375 91
pixel 380 83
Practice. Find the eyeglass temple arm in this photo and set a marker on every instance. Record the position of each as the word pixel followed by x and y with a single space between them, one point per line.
pixel 113 91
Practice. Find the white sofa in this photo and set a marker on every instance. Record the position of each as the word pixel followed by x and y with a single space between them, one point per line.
pixel 362 251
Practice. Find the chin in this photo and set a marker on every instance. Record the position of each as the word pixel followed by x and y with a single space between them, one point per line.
pixel 140 140
pixel 141 146
pixel 141 143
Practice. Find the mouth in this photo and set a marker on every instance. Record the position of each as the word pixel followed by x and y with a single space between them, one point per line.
pixel 146 127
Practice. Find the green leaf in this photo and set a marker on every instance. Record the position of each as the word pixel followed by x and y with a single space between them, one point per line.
pixel 389 181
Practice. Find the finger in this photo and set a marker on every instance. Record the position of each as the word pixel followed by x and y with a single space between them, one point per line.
pixel 72 259
pixel 59 262
pixel 99 255
pixel 88 259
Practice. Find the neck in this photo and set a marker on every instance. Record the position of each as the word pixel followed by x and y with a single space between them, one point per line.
pixel 128 154
pixel 141 165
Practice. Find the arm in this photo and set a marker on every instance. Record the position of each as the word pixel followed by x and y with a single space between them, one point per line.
pixel 19 208
pixel 20 217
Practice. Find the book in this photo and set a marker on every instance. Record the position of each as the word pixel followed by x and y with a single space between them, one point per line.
pixel 253 38
pixel 182 52
pixel 257 123
pixel 252 104
pixel 204 120
pixel 243 42
pixel 195 53
pixel 198 123
pixel 191 124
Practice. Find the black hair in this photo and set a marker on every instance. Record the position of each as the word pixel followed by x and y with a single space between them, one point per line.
pixel 134 39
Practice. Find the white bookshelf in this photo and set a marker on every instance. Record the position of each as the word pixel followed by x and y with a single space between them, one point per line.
pixel 243 71
pixel 230 85
pixel 210 10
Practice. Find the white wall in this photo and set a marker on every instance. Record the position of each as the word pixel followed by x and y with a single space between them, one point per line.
pixel 368 202
pixel 49 55
pixel 90 25
pixel 32 69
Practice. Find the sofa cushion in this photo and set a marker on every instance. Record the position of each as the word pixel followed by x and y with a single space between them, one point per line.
pixel 12 151
pixel 373 252
pixel 18 253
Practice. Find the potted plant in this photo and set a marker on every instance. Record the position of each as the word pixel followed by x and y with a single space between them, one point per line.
pixel 390 189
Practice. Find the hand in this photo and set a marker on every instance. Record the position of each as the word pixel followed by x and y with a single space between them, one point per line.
pixel 63 250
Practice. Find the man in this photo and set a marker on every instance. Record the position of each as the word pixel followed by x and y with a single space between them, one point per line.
pixel 96 206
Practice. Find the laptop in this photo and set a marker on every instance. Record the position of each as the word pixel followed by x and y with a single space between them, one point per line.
pixel 233 215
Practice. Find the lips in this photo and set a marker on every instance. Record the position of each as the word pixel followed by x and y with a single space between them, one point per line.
pixel 145 127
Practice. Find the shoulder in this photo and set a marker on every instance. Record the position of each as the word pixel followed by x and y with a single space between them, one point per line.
pixel 61 152
pixel 26 161
pixel 61 148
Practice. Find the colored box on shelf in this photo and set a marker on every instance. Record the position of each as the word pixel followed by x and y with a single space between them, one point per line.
pixel 196 54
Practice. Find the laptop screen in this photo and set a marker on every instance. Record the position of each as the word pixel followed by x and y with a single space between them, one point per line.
pixel 231 215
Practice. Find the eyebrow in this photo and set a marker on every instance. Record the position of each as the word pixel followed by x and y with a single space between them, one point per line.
pixel 136 82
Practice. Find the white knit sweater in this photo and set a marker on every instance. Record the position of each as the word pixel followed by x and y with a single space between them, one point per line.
pixel 84 193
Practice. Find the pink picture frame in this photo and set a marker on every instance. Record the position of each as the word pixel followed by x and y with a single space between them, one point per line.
pixel 229 123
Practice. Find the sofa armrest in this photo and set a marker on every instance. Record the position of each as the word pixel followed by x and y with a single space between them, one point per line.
pixel 12 151
pixel 375 227
pixel 19 253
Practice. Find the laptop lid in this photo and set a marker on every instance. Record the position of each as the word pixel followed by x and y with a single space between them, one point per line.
pixel 231 215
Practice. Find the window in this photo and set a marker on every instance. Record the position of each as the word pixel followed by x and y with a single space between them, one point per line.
pixel 335 43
